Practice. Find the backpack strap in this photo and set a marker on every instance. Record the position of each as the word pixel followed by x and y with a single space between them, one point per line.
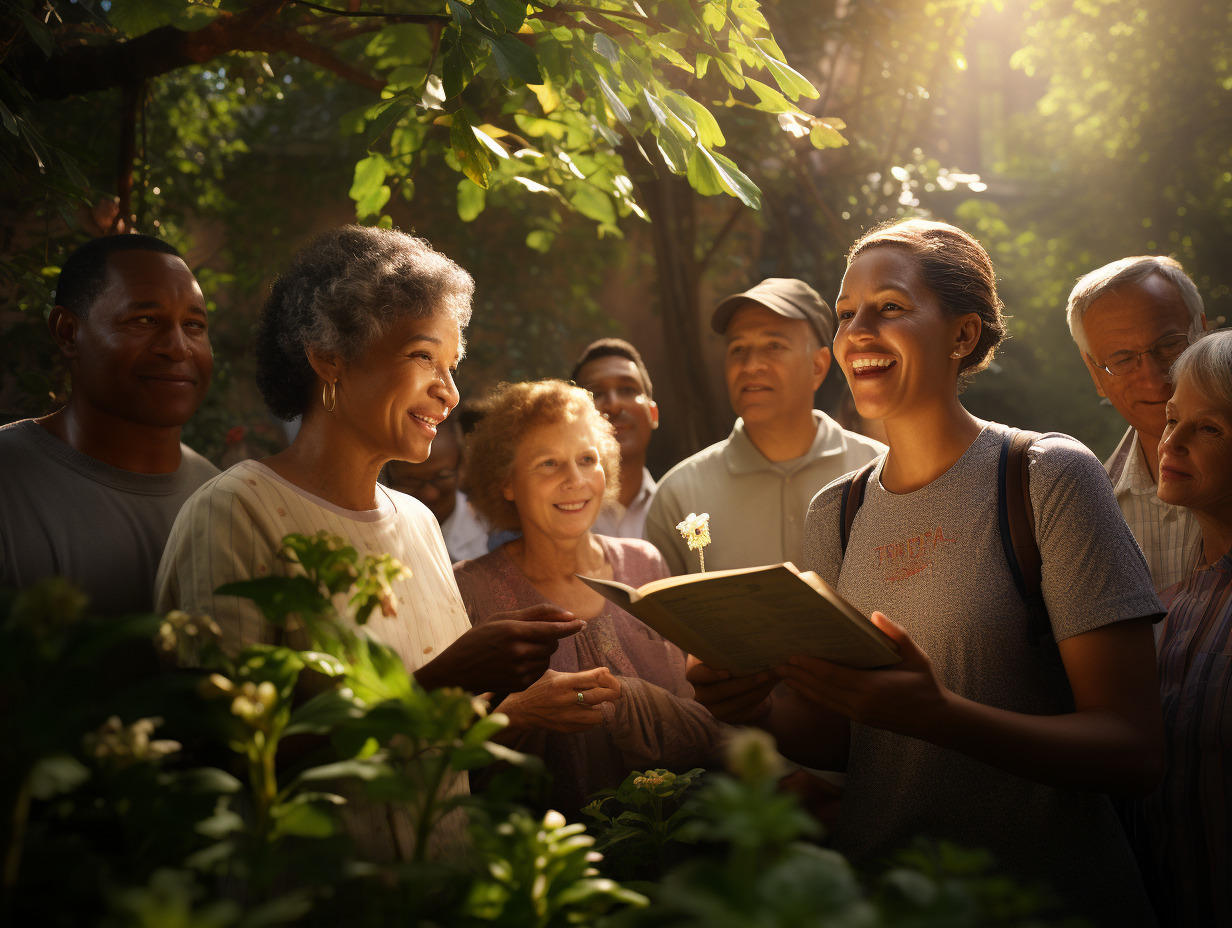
pixel 1016 520
pixel 853 497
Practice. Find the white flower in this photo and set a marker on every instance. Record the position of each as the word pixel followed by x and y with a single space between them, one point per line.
pixel 696 530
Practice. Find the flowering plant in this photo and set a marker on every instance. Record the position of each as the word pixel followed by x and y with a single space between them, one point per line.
pixel 695 529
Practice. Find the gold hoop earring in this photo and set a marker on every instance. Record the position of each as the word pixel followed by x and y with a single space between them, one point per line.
pixel 329 396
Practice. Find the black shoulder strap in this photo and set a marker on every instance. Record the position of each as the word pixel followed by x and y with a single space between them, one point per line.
pixel 1016 520
pixel 853 496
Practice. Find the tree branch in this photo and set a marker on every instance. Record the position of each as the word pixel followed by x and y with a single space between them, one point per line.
pixel 424 18
pixel 81 69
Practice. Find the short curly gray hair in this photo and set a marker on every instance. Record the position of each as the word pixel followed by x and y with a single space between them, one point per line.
pixel 344 290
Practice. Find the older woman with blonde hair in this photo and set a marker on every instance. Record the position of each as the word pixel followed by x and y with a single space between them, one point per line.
pixel 614 698
pixel 1189 819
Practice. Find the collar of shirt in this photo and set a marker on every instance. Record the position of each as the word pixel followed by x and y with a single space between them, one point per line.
pixel 1134 477
pixel 743 457
pixel 617 509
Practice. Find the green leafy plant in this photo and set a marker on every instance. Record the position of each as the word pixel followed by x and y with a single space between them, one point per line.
pixel 639 821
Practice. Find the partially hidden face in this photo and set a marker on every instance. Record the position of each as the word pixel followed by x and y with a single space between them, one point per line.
pixel 557 481
pixel 619 394
pixel 773 365
pixel 1195 455
pixel 142 350
pixel 1134 318
pixel 393 398
pixel 433 482
pixel 894 340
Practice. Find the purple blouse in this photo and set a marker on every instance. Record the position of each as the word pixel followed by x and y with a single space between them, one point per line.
pixel 656 722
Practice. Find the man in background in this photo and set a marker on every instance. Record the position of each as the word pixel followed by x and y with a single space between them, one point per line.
pixel 434 483
pixel 758 482
pixel 1131 319
pixel 614 373
pixel 91 490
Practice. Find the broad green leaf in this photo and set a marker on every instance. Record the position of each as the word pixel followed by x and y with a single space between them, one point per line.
pixel 471 200
pixel 593 203
pixel 472 156
pixel 825 134
pixel 538 127
pixel 615 104
pixel 303 819
pixel 697 116
pixel 324 712
pixel 607 48
pixel 459 11
pixel 769 99
pixel 514 59
pixel 388 117
pixel 490 143
pixel 137 17
pixel 512 13
pixel 790 81
pixel 710 170
pixel 38 31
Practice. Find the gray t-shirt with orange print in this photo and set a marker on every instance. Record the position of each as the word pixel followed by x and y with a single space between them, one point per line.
pixel 932 561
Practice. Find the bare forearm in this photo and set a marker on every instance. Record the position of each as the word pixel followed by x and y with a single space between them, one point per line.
pixel 1094 749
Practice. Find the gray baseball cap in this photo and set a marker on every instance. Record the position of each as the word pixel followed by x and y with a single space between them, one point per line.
pixel 790 298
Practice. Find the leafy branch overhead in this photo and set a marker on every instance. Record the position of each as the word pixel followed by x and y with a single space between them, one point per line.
pixel 550 98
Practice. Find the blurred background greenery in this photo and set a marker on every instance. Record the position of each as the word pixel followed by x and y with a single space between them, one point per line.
pixel 1063 134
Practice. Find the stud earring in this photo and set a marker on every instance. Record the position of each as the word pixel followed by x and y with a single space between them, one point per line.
pixel 956 354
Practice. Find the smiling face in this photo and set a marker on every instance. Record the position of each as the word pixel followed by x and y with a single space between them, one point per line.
pixel 557 480
pixel 773 366
pixel 894 340
pixel 141 352
pixel 619 394
pixel 1195 454
pixel 391 400
pixel 1133 318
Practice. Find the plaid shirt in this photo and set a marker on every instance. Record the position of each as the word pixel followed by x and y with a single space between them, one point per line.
pixel 1168 535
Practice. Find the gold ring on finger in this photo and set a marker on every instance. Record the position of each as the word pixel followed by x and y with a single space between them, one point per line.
pixel 581 698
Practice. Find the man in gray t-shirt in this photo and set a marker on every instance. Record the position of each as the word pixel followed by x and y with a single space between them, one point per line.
pixel 91 490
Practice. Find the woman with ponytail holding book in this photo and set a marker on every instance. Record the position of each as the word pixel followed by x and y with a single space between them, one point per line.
pixel 983 735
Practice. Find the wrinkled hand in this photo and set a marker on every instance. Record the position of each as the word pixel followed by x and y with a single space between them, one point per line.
pixel 551 702
pixel 906 698
pixel 506 653
pixel 738 700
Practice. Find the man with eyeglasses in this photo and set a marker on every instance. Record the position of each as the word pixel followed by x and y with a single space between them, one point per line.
pixel 1131 319
pixel 434 483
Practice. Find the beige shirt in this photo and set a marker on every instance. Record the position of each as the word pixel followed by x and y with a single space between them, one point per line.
pixel 756 506
pixel 1168 535
pixel 232 529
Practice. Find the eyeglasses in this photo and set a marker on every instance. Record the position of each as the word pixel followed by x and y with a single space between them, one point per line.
pixel 1164 351
pixel 442 481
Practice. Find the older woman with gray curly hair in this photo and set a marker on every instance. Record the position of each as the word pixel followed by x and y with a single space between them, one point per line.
pixel 614 698
pixel 360 338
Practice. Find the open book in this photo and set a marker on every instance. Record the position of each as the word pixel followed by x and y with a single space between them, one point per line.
pixel 753 618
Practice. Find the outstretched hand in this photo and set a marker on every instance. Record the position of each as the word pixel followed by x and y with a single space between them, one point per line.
pixel 506 653
pixel 906 697
pixel 552 701
pixel 738 700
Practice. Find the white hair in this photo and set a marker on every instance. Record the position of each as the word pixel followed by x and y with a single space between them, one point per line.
pixel 1207 365
pixel 1129 271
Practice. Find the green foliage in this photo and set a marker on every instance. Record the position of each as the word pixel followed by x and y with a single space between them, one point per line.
pixel 640 820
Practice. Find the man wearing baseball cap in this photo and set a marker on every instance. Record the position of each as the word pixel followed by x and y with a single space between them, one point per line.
pixel 758 482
